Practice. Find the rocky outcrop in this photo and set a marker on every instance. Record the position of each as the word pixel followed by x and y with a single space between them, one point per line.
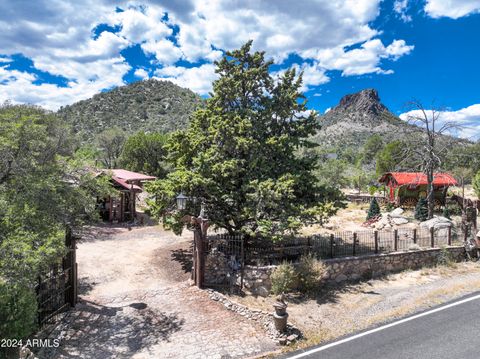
pixel 366 102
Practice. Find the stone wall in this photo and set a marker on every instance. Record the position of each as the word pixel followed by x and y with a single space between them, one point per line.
pixel 257 279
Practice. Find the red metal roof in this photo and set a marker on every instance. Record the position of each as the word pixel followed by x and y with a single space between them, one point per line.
pixel 419 178
pixel 126 185
pixel 131 176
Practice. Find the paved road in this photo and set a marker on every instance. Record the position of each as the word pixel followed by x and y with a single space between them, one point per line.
pixel 447 333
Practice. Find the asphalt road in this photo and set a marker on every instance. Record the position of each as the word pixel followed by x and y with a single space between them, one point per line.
pixel 451 332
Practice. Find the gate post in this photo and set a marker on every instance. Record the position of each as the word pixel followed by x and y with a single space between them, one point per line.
pixel 71 263
pixel 199 258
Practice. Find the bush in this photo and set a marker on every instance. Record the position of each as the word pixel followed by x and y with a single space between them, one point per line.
pixel 445 258
pixel 284 278
pixel 421 210
pixel 310 273
pixel 446 212
pixel 18 311
pixel 374 209
pixel 305 276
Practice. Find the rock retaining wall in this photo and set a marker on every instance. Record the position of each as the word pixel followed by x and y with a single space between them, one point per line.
pixel 257 279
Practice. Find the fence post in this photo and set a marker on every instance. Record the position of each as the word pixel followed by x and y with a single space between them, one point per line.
pixel 395 240
pixel 332 240
pixel 414 236
pixel 449 235
pixel 432 237
pixel 354 244
pixel 71 264
pixel 242 249
pixel 375 235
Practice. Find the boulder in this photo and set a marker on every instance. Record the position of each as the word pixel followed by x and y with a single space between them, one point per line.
pixel 399 220
pixel 396 212
pixel 437 222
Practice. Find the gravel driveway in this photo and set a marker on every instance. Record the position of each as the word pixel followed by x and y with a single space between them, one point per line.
pixel 136 302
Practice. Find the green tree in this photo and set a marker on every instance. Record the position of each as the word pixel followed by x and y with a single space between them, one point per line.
pixel 421 210
pixel 374 209
pixel 390 157
pixel 476 184
pixel 144 152
pixel 42 190
pixel 332 172
pixel 241 154
pixel 110 142
pixel 371 148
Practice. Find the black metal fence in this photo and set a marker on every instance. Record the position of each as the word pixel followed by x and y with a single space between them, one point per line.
pixel 57 288
pixel 260 251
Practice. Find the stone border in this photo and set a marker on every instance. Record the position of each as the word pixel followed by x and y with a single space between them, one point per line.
pixel 256 279
pixel 264 318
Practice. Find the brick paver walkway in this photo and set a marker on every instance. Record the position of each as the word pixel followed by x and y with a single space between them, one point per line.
pixel 141 319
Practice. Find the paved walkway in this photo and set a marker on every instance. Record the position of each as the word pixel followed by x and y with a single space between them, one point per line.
pixel 137 303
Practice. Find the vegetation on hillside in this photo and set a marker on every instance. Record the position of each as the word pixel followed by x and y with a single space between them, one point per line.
pixel 149 105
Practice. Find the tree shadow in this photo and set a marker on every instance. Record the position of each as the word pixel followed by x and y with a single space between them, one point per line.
pixel 99 331
pixel 184 257
pixel 84 285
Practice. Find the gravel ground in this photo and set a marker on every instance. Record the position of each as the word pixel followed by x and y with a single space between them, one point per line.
pixel 337 312
pixel 136 302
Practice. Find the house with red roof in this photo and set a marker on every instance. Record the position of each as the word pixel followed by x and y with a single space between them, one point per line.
pixel 128 185
pixel 405 188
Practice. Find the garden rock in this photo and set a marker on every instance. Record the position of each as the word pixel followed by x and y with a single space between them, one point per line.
pixel 396 212
pixel 437 222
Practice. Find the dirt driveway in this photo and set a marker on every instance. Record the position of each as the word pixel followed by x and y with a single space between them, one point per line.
pixel 136 302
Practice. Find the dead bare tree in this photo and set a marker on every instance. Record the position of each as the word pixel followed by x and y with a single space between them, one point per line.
pixel 429 144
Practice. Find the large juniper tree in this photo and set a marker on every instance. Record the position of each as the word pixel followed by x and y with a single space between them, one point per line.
pixel 241 155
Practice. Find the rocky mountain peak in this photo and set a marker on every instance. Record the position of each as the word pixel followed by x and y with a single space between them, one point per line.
pixel 366 101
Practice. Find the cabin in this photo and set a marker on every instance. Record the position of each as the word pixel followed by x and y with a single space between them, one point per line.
pixel 405 188
pixel 128 185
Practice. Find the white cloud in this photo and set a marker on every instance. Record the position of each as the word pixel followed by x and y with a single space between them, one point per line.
pixel 363 60
pixel 451 8
pixel 468 118
pixel 276 26
pixel 198 79
pixel 401 7
pixel 58 37
pixel 141 73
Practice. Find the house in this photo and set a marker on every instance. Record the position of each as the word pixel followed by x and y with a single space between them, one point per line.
pixel 405 188
pixel 128 185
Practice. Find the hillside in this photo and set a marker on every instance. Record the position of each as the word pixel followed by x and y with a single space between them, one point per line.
pixel 357 117
pixel 361 115
pixel 149 105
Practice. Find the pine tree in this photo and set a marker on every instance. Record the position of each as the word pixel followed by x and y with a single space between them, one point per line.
pixel 247 154
pixel 421 210
pixel 374 209
pixel 446 212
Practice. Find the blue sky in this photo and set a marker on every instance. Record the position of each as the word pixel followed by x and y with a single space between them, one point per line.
pixel 54 52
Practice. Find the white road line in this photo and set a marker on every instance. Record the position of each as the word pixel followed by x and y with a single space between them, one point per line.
pixel 319 349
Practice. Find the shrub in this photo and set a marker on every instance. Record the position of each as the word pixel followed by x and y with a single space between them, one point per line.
pixel 284 278
pixel 310 272
pixel 389 206
pixel 421 210
pixel 18 311
pixel 374 209
pixel 446 212
pixel 445 259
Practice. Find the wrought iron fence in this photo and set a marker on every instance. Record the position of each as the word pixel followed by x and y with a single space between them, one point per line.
pixel 57 287
pixel 262 251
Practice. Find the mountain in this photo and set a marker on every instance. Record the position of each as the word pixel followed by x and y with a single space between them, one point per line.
pixel 149 105
pixel 357 117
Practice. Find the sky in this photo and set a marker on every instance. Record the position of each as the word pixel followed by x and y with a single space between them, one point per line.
pixel 54 53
